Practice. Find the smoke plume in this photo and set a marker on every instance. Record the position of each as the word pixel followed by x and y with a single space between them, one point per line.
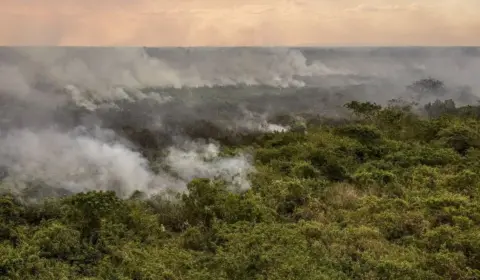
pixel 79 119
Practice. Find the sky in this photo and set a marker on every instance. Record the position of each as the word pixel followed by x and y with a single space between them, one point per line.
pixel 240 22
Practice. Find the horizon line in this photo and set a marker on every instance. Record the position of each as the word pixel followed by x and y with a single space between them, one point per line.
pixel 240 46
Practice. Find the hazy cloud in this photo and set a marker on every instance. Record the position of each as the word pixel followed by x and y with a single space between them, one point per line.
pixel 384 8
pixel 246 22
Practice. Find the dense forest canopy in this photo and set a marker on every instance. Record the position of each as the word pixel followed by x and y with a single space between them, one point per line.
pixel 383 194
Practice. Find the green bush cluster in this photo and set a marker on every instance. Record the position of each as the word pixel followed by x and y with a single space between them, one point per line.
pixel 386 195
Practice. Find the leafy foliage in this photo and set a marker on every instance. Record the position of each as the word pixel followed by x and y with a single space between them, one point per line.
pixel 388 195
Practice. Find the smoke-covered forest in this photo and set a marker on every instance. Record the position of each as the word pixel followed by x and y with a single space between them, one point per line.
pixel 239 164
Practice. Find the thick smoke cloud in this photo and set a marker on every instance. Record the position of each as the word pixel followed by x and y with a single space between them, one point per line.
pixel 92 76
pixel 73 162
pixel 65 110
pixel 105 70
pixel 76 162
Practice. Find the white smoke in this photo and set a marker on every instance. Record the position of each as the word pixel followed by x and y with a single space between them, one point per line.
pixel 106 72
pixel 73 162
pixel 96 78
pixel 78 162
pixel 195 160
pixel 251 121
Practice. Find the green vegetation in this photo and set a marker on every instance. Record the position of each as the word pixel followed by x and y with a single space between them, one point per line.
pixel 386 195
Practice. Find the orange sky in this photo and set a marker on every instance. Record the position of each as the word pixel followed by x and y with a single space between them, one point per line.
pixel 239 22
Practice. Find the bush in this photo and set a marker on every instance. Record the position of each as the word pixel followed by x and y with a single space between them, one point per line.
pixel 388 195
